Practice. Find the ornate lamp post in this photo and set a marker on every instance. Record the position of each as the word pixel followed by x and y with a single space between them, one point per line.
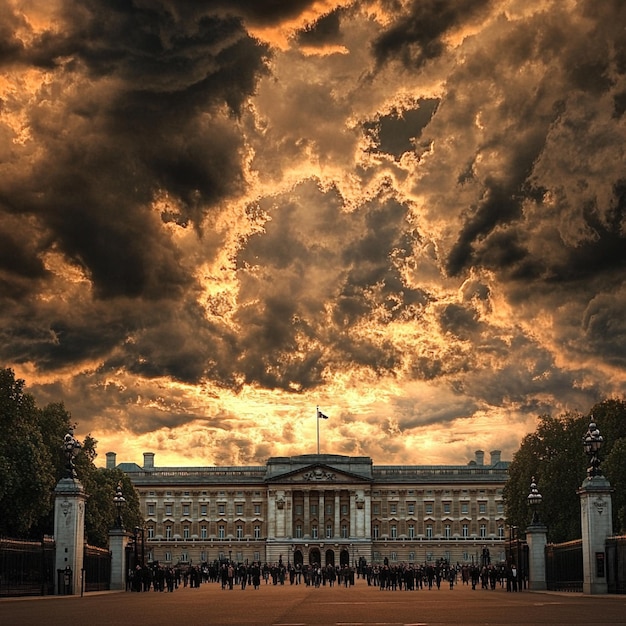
pixel 119 500
pixel 592 442
pixel 71 448
pixel 534 500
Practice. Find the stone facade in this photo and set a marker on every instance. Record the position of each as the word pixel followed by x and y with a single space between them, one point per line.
pixel 322 508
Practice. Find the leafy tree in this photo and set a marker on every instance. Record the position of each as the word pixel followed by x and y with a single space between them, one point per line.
pixel 32 462
pixel 554 455
pixel 26 469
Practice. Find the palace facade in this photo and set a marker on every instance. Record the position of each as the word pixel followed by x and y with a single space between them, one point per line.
pixel 322 508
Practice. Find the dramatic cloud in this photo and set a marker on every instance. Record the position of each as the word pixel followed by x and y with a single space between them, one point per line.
pixel 216 216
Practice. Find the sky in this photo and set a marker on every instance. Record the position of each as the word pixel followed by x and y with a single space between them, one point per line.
pixel 218 215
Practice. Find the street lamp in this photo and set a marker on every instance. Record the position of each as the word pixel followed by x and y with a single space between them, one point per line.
pixel 534 500
pixel 71 448
pixel 592 442
pixel 119 500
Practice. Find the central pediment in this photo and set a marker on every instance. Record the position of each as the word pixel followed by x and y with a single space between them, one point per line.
pixel 308 469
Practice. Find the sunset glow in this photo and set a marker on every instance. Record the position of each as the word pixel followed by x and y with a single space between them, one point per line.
pixel 217 215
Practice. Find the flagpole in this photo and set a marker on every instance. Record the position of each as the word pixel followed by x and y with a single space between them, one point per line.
pixel 317 419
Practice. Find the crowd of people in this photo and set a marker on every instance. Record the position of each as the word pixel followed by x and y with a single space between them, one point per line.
pixel 387 577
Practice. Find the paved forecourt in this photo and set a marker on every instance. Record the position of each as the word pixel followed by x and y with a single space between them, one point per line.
pixel 300 605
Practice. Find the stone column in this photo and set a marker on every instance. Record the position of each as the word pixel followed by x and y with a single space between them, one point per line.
pixel 337 532
pixel 353 526
pixel 536 540
pixel 597 524
pixel 307 514
pixel 118 538
pixel 69 534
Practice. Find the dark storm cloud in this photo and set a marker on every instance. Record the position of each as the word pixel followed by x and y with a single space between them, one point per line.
pixel 415 37
pixel 313 255
pixel 398 133
pixel 325 30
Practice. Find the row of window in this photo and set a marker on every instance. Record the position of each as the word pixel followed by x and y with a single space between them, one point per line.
pixel 446 507
pixel 203 509
pixel 447 531
pixel 329 531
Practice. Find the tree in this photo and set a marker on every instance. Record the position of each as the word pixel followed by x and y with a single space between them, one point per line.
pixel 32 462
pixel 26 469
pixel 554 455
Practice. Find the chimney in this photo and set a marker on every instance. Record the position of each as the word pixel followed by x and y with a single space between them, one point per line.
pixel 111 460
pixel 480 457
pixel 495 457
pixel 148 460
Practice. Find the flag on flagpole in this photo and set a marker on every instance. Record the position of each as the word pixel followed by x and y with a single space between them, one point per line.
pixel 321 416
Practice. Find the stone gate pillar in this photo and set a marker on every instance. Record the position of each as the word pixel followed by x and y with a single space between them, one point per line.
pixel 69 535
pixel 69 524
pixel 596 515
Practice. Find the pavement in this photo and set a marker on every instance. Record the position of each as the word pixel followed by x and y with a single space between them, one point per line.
pixel 299 605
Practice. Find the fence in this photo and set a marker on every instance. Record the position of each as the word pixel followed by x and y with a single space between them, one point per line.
pixel 564 566
pixel 97 569
pixel 26 567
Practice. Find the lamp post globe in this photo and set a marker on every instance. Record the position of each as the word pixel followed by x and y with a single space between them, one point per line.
pixel 534 500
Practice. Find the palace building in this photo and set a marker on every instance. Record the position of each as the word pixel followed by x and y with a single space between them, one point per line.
pixel 322 508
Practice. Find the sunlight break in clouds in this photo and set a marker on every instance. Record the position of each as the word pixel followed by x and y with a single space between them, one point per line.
pixel 216 216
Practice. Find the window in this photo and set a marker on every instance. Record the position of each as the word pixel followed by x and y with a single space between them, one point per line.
pixel 429 508
pixel 150 532
pixel 203 532
pixel 376 531
pixel 429 531
pixel 257 535
pixel 394 531
pixel 151 510
pixel 464 508
pixel 298 509
pixel 203 556
pixel 483 531
pixel 482 508
pixel 168 557
pixel 329 509
pixel 221 509
pixel 411 557
pixel 411 508
pixel 239 532
pixel 329 531
pixel 446 508
pixel 500 532
pixel 344 532
pixel 186 494
pixel 465 531
pixel 185 510
pixel 298 531
pixel 257 509
pixel 376 509
pixel 314 509
pixel 239 509
pixel 168 532
pixel 393 508
pixel 168 510
pixel 184 557
pixel 203 510
pixel 257 556
pixel 240 494
pixel 168 494
pixel 394 556
pixel 344 509
pixel 186 532
pixel 150 493
pixel 314 532
pixel 500 507
pixel 221 532
pixel 447 531
pixel 411 531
